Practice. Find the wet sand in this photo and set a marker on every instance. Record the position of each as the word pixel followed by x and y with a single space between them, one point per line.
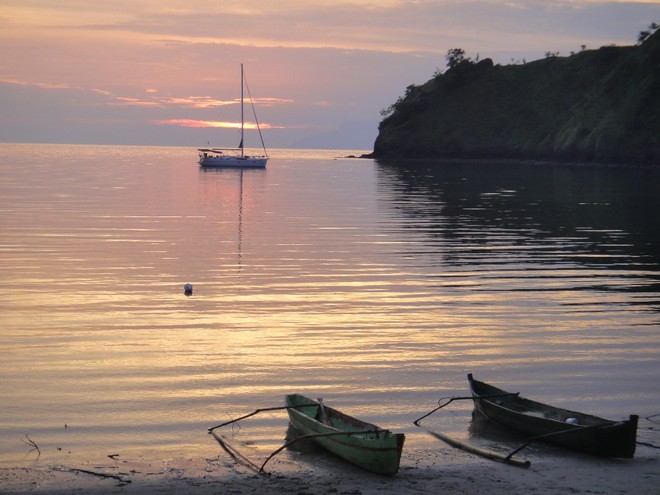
pixel 441 470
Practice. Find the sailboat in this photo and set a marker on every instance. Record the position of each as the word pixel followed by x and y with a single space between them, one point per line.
pixel 235 157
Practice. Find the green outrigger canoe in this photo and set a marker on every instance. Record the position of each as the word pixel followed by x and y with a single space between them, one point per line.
pixel 360 443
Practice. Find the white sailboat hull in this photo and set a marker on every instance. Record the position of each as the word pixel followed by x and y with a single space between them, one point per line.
pixel 233 161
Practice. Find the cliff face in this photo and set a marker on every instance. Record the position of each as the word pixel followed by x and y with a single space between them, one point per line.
pixel 595 106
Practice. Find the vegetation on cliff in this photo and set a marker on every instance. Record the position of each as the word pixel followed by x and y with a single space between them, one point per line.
pixel 593 106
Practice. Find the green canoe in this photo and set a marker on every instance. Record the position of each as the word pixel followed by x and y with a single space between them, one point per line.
pixel 363 444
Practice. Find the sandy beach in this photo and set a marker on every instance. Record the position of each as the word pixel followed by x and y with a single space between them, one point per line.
pixel 441 470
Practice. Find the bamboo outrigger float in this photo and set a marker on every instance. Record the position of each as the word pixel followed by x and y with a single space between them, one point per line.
pixel 469 447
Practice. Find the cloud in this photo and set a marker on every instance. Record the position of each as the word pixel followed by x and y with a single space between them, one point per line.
pixel 196 102
pixel 36 84
pixel 133 102
pixel 216 124
pixel 198 123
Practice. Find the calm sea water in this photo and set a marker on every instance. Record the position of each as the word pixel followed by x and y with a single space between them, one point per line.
pixel 377 287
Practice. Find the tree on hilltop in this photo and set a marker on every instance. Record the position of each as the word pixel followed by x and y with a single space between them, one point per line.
pixel 644 35
pixel 455 57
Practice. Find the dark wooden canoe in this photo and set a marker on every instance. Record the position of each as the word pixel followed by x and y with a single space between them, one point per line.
pixel 570 429
pixel 363 444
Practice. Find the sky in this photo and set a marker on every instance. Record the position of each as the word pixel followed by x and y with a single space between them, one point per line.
pixel 167 72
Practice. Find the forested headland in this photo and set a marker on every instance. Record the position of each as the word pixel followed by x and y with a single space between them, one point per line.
pixel 594 106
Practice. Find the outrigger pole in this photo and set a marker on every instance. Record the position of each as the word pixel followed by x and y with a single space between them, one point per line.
pixel 256 411
pixel 468 447
pixel 233 451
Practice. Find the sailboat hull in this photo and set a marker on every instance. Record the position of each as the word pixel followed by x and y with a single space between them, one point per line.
pixel 233 161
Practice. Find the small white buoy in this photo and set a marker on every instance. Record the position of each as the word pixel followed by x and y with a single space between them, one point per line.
pixel 572 421
pixel 187 289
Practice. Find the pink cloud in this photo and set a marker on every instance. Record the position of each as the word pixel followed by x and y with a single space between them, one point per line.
pixel 42 85
pixel 269 102
pixel 134 102
pixel 198 123
pixel 197 102
pixel 216 124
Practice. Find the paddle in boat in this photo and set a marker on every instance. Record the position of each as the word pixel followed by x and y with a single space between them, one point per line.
pixel 363 444
pixel 570 429
pixel 235 157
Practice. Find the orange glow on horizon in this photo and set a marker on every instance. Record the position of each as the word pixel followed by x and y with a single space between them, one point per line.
pixel 216 124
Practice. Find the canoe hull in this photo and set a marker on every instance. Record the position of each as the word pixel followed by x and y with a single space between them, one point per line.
pixel 610 439
pixel 378 451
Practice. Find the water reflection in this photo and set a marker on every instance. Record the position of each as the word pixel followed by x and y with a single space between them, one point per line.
pixel 524 221
pixel 375 287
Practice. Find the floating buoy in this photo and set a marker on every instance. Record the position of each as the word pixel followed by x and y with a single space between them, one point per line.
pixel 187 289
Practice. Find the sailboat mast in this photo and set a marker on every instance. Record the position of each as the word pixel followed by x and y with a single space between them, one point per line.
pixel 242 117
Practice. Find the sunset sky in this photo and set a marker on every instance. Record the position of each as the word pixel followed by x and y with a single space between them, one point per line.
pixel 166 72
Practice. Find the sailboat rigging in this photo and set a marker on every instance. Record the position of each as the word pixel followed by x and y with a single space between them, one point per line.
pixel 235 157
